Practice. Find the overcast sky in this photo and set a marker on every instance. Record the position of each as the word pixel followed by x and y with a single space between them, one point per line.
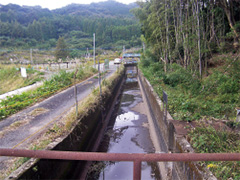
pixel 54 4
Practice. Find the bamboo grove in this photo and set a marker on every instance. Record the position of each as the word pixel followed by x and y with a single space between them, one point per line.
pixel 189 32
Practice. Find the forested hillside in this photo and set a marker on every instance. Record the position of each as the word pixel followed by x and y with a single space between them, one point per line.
pixel 188 32
pixel 193 53
pixel 101 9
pixel 197 44
pixel 34 27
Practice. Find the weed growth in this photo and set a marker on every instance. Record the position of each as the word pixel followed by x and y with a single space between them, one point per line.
pixel 57 83
pixel 209 140
pixel 11 79
pixel 190 98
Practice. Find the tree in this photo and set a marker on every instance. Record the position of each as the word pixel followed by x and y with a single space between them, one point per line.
pixel 61 51
pixel 228 7
pixel 35 30
pixel 188 32
pixel 33 24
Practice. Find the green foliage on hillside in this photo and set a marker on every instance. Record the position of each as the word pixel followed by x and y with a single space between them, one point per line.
pixel 101 9
pixel 189 32
pixel 192 53
pixel 34 27
pixel 190 98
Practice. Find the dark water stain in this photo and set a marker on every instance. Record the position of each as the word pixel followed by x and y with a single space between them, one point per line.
pixel 128 134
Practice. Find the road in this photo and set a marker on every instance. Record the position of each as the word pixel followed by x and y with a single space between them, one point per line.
pixel 37 118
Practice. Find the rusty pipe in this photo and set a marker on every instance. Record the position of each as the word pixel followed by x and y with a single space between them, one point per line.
pixel 93 156
pixel 137 170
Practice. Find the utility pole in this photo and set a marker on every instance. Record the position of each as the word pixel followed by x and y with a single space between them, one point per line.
pixel 94 46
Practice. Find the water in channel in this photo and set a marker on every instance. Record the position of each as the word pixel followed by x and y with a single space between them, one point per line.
pixel 127 133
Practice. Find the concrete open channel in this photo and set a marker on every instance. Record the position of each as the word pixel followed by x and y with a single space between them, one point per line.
pixel 128 120
pixel 127 132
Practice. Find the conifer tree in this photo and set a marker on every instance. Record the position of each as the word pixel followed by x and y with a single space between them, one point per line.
pixel 61 51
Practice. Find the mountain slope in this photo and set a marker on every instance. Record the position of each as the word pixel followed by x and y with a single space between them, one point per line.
pixel 27 14
pixel 101 9
pixel 22 14
pixel 25 27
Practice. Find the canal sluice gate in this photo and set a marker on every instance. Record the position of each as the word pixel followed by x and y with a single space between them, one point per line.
pixel 131 122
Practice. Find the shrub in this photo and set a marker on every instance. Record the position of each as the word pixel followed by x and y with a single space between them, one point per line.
pixel 179 76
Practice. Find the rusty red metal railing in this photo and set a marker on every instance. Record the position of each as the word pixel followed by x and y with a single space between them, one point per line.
pixel 136 158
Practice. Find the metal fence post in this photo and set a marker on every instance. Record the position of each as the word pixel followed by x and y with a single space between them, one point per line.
pixel 75 92
pixel 137 170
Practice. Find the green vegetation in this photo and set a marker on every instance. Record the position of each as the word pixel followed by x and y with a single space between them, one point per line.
pixel 93 100
pixel 61 51
pixel 210 140
pixel 11 79
pixel 57 83
pixel 189 32
pixel 63 127
pixel 192 53
pixel 192 99
pixel 37 28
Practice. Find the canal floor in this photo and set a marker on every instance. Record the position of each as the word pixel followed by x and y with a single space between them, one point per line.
pixel 128 132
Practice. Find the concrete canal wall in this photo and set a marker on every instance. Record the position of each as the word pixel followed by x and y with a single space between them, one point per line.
pixel 170 141
pixel 81 138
